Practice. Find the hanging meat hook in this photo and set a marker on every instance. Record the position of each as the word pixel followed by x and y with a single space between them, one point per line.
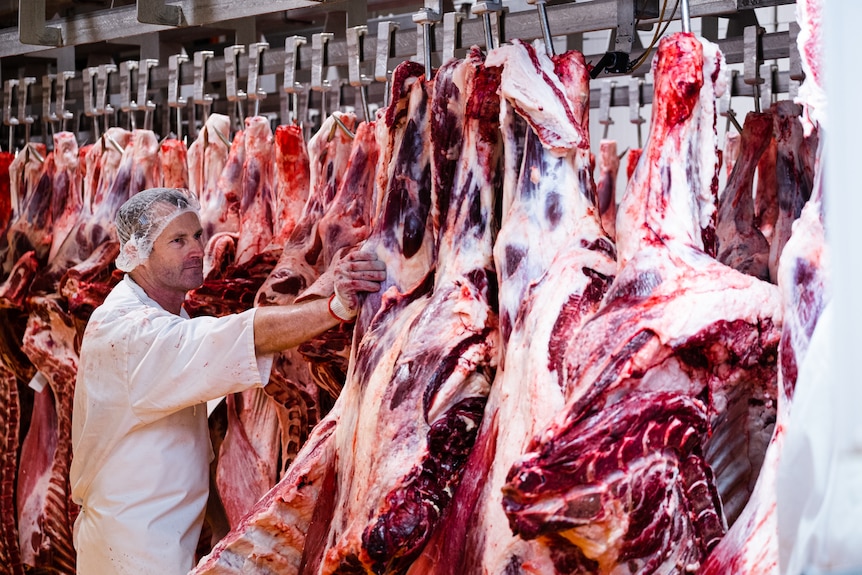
pixel 339 124
pixel 425 19
pixel 542 9
pixel 685 17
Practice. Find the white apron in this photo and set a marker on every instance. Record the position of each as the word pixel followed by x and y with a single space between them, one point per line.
pixel 140 441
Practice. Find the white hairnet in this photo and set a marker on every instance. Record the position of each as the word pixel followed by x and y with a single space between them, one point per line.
pixel 144 217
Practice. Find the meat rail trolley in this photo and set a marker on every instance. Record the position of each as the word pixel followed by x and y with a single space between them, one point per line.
pixel 615 243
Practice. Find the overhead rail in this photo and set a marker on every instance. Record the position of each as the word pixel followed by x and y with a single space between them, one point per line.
pixel 122 22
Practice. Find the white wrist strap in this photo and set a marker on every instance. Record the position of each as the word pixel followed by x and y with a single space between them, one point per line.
pixel 339 310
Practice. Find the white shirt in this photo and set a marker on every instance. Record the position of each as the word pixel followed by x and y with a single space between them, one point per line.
pixel 140 440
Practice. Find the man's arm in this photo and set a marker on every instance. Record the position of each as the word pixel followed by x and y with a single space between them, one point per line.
pixel 278 328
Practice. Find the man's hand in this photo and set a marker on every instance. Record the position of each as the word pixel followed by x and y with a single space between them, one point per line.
pixel 357 272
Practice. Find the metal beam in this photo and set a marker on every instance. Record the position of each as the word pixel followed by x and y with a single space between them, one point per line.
pixel 31 25
pixel 157 12
pixel 121 22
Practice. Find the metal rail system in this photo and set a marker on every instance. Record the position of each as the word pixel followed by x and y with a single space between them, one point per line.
pixel 175 85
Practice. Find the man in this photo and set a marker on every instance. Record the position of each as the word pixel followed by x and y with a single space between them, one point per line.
pixel 140 439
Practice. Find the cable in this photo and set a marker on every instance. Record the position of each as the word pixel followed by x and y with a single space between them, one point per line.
pixel 639 62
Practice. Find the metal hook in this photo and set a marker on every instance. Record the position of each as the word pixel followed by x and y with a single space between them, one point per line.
pixel 635 103
pixel 355 58
pixel 452 22
pixel 224 140
pixel 113 142
pixel 143 101
pixel 32 150
pixel 605 105
pixel 685 17
pixel 175 99
pixel 291 87
pixel 61 88
pixel 425 19
pixel 487 10
pixel 542 8
pixel 235 95
pixel 10 89
pixel 796 74
pixel 752 59
pixel 49 116
pixel 320 63
pixel 23 102
pixel 202 98
pixel 127 104
pixel 253 91
pixel 385 49
pixel 344 128
pixel 724 104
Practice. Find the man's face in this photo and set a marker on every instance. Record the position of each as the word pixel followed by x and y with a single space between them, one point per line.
pixel 176 262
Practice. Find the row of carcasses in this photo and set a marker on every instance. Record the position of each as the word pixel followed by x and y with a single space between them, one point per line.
pixel 419 187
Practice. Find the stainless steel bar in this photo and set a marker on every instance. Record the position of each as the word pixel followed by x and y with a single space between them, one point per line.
pixel 542 9
pixel 425 18
pixel 686 16
pixel 488 10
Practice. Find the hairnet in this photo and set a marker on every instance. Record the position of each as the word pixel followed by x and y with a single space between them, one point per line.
pixel 144 217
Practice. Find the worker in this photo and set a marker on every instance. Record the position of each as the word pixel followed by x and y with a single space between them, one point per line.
pixel 140 439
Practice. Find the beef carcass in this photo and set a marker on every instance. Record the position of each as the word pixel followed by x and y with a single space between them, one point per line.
pixel 273 536
pixel 730 154
pixel 174 164
pixel 554 264
pixel 348 221
pixel 292 180
pixel 632 159
pixel 256 544
pixel 46 510
pixel 7 209
pixel 67 201
pixel 794 180
pixel 31 176
pixel 751 546
pixel 215 174
pixel 248 463
pixel 803 275
pixel 606 186
pixel 138 168
pixel 102 163
pixel 264 436
pixel 416 391
pixel 693 338
pixel 741 244
pixel 28 237
pixel 766 199
pixel 257 200
pixel 345 225
pixel 285 531
pixel 10 420
pixel 301 261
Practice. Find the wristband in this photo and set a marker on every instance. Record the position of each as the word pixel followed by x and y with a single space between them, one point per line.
pixel 337 309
